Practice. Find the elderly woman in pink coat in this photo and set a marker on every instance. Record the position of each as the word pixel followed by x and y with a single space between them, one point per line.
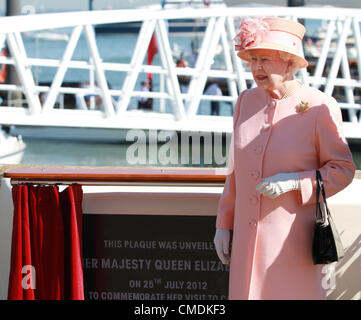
pixel 283 131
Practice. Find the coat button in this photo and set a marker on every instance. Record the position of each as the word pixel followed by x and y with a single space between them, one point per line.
pixel 252 223
pixel 253 200
pixel 272 103
pixel 266 127
pixel 255 174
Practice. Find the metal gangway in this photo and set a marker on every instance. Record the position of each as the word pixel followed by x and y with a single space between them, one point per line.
pixel 337 65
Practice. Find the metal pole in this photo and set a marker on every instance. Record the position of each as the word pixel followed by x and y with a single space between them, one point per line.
pixel 323 55
pixel 144 36
pixel 103 85
pixel 63 66
pixel 13 8
pixel 27 81
pixel 161 89
pixel 167 61
pixel 332 74
pixel 295 3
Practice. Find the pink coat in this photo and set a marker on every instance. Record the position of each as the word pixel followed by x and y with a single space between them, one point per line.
pixel 271 246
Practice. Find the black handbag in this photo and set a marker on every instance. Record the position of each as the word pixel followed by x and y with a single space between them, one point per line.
pixel 326 246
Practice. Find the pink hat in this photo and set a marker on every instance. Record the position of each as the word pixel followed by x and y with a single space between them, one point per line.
pixel 270 33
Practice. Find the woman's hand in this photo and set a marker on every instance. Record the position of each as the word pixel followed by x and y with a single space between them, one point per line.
pixel 221 242
pixel 278 184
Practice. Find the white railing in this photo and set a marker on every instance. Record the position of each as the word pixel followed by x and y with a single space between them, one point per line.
pixel 330 67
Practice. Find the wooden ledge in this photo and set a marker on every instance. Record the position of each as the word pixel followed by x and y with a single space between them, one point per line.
pixel 168 175
pixel 38 173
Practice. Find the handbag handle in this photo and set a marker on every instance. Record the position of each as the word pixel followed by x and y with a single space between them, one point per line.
pixel 320 187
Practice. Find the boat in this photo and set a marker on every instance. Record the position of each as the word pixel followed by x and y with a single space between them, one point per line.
pixel 48 36
pixel 12 147
pixel 308 3
pixel 179 27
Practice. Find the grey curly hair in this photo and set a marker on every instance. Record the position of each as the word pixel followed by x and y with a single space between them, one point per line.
pixel 288 57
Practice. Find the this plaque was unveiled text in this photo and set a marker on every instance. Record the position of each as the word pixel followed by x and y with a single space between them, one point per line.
pixel 150 257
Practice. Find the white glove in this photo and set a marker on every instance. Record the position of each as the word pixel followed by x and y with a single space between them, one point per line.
pixel 221 242
pixel 278 184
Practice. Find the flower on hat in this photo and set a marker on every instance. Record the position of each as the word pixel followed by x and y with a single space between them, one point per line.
pixel 253 30
pixel 303 106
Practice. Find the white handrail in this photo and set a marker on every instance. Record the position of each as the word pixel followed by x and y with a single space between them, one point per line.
pixel 222 25
pixel 70 19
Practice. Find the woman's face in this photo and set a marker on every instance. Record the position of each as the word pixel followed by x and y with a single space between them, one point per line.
pixel 268 69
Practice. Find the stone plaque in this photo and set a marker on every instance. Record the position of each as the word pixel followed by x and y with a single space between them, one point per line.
pixel 152 257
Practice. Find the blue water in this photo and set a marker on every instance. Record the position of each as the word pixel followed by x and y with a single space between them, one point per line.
pixel 67 153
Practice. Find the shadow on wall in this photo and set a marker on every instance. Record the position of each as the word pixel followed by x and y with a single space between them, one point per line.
pixel 348 274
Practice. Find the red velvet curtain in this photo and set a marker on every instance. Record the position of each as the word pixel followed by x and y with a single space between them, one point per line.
pixel 46 249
